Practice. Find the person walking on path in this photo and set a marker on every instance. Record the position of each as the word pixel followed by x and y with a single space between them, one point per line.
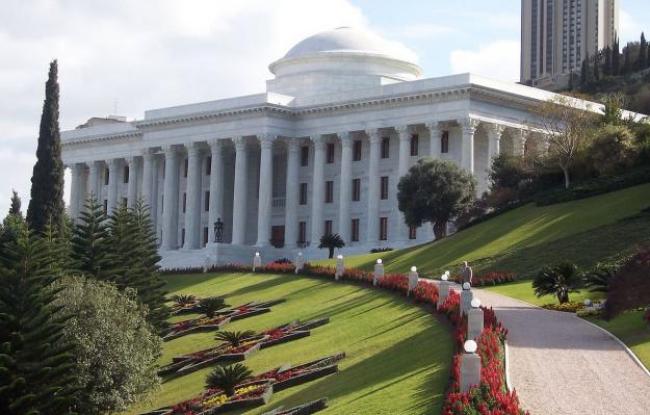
pixel 466 273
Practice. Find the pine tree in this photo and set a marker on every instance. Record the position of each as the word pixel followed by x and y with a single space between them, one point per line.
pixel 15 204
pixel 135 257
pixel 90 243
pixel 643 53
pixel 46 203
pixel 36 364
pixel 616 58
pixel 58 248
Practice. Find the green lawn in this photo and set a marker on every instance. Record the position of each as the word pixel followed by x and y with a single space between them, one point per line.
pixel 523 290
pixel 522 240
pixel 398 355
pixel 633 331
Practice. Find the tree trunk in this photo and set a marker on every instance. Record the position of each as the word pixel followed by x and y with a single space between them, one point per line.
pixel 563 296
pixel 440 229
pixel 567 181
pixel 331 253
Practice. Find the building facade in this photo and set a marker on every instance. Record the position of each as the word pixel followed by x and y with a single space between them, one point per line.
pixel 557 36
pixel 321 151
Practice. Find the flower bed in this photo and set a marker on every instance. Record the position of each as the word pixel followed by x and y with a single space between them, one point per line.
pixel 306 409
pixel 214 401
pixel 490 278
pixel 182 365
pixel 286 377
pixel 221 318
pixel 570 307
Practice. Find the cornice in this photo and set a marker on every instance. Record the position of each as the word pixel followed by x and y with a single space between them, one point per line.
pixel 96 138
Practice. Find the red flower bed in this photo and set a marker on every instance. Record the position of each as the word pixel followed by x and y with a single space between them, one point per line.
pixel 490 278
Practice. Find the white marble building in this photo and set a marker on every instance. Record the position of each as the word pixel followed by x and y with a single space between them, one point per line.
pixel 320 151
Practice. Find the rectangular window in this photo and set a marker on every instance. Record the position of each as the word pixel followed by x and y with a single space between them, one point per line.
pixel 328 227
pixel 415 145
pixel 356 190
pixel 355 230
pixel 184 201
pixel 185 167
pixel 385 147
pixel 329 191
pixel 126 174
pixel 356 150
pixel 384 188
pixel 444 142
pixel 183 237
pixel 302 232
pixel 303 193
pixel 304 156
pixel 208 166
pixel 125 201
pixel 106 176
pixel 330 153
pixel 383 228
pixel 413 232
pixel 105 206
pixel 206 203
pixel 205 236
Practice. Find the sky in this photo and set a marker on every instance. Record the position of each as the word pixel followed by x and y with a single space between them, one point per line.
pixel 124 57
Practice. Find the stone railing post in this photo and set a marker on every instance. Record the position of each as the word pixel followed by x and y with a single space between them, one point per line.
pixel 466 297
pixel 300 262
pixel 475 320
pixel 257 261
pixel 470 367
pixel 340 267
pixel 379 272
pixel 413 280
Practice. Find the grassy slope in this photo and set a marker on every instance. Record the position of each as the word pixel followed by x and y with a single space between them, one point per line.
pixel 398 356
pixel 521 240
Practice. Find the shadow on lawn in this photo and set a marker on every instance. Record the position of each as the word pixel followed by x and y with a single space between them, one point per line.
pixel 384 370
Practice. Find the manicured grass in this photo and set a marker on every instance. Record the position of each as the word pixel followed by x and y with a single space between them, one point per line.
pixel 633 331
pixel 398 355
pixel 523 290
pixel 526 238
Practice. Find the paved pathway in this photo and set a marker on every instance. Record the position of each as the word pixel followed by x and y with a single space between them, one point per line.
pixel 559 364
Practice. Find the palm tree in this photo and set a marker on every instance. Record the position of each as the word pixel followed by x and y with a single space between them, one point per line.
pixel 331 241
pixel 227 378
pixel 209 306
pixel 183 300
pixel 234 338
pixel 599 278
pixel 558 280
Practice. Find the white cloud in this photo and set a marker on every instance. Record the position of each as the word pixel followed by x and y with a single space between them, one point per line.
pixel 498 60
pixel 141 54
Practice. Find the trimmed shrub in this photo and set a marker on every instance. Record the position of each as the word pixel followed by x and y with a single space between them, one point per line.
pixel 630 288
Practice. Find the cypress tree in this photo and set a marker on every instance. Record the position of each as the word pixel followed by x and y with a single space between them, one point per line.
pixel 90 243
pixel 607 69
pixel 15 204
pixel 643 53
pixel 616 58
pixel 36 366
pixel 597 67
pixel 46 203
pixel 627 60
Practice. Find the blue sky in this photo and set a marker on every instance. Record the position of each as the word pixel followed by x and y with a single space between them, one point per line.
pixel 127 56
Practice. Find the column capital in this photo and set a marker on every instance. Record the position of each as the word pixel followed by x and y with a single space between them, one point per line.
pixel 112 163
pixel 404 132
pixel 91 163
pixel 169 150
pixel 239 142
pixel 193 149
pixel 293 145
pixel 524 134
pixel 469 125
pixel 433 125
pixel 373 135
pixel 146 153
pixel 346 138
pixel 266 140
pixel 496 129
pixel 318 140
pixel 130 160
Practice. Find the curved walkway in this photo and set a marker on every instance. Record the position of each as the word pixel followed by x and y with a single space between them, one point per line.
pixel 560 364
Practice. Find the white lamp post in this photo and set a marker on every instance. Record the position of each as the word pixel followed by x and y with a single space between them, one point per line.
pixel 340 267
pixel 379 272
pixel 475 320
pixel 300 262
pixel 257 261
pixel 413 278
pixel 470 366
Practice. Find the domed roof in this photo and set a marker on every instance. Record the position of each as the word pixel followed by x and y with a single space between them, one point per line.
pixel 349 40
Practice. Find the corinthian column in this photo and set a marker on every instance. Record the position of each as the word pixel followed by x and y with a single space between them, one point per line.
pixel 345 193
pixel 131 194
pixel 373 186
pixel 317 189
pixel 468 126
pixel 76 190
pixel 193 211
pixel 113 167
pixel 434 139
pixel 405 133
pixel 291 205
pixel 240 192
pixel 216 185
pixel 147 179
pixel 170 202
pixel 265 191
pixel 494 133
pixel 93 180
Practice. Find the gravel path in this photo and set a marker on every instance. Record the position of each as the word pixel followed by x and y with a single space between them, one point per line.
pixel 559 364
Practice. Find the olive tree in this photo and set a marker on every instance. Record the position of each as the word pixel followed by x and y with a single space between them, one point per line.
pixel 116 349
pixel 435 191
